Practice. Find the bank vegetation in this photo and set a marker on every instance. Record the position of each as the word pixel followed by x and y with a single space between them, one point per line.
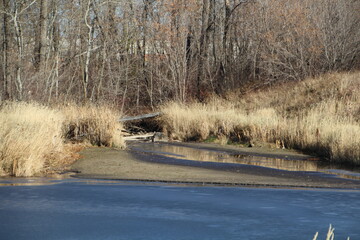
pixel 318 115
pixel 37 140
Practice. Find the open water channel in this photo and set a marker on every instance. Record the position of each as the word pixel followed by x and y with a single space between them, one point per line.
pixel 80 209
pixel 42 208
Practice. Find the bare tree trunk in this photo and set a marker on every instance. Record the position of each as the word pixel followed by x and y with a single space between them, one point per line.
pixel 41 38
pixel 144 42
pixel 5 48
pixel 102 71
pixel 56 44
pixel 203 47
pixel 111 19
pixel 126 83
pixel 52 53
pixel 89 49
pixel 224 59
pixel 43 34
pixel 19 45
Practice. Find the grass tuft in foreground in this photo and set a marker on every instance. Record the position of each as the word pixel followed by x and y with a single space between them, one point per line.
pixel 320 116
pixel 29 135
pixel 330 234
pixel 32 136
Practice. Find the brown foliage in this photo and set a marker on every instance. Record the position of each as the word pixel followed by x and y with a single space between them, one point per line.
pixel 132 53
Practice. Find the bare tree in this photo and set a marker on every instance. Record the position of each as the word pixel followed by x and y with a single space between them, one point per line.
pixel 143 53
pixel 5 49
pixel 41 45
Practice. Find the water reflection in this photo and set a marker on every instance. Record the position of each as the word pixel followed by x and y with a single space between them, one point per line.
pixel 343 173
pixel 46 181
pixel 27 181
pixel 309 165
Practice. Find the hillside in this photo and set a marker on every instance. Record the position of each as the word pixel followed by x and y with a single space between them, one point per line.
pixel 319 115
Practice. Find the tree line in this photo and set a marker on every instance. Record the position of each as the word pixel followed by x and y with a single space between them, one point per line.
pixel 136 53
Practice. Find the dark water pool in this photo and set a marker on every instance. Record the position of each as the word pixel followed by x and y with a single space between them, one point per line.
pixel 118 210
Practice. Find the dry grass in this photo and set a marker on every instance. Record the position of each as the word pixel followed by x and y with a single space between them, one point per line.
pixel 29 134
pixel 318 115
pixel 32 136
pixel 199 121
pixel 330 234
pixel 97 125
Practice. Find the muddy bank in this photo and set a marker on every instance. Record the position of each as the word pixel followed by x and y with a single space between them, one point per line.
pixel 138 163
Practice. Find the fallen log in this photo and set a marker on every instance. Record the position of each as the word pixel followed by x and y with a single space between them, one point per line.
pixel 153 137
pixel 142 123
pixel 140 117
pixel 143 137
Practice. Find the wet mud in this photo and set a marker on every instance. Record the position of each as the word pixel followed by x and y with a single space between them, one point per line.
pixel 211 164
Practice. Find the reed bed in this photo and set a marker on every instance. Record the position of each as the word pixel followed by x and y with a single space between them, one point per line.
pixel 35 139
pixel 320 116
pixel 97 125
pixel 29 135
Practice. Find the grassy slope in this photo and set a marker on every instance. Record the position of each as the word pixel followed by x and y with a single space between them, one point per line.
pixel 320 115
pixel 35 139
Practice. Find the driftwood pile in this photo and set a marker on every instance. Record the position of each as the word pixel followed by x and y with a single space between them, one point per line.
pixel 143 128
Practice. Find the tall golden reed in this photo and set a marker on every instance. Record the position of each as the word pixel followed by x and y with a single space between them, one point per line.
pixel 320 115
pixel 35 138
pixel 29 134
pixel 96 124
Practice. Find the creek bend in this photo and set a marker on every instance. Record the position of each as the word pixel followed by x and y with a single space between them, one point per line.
pixel 154 162
pixel 190 155
pixel 87 208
